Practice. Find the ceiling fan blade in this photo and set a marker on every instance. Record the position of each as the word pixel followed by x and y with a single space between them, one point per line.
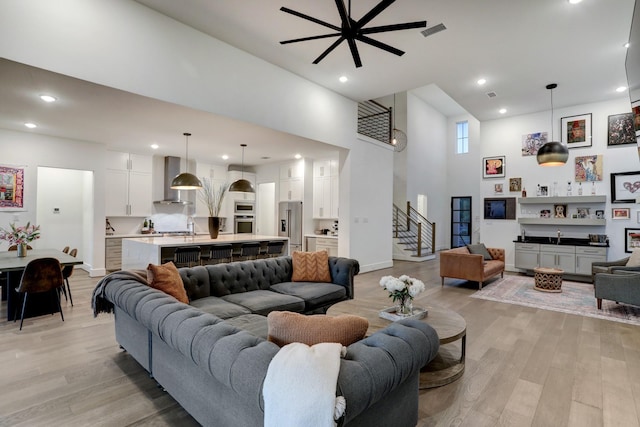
pixel 394 27
pixel 380 45
pixel 309 18
pixel 373 12
pixel 354 52
pixel 344 16
pixel 304 39
pixel 329 49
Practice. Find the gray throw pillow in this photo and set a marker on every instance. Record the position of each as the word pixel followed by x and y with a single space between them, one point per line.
pixel 480 249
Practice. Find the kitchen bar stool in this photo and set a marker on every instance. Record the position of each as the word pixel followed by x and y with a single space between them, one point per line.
pixel 220 253
pixel 274 249
pixel 249 250
pixel 187 256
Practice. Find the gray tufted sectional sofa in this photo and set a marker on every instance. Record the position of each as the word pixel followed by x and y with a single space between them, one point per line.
pixel 212 356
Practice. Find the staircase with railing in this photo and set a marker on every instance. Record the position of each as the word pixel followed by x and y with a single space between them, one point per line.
pixel 414 235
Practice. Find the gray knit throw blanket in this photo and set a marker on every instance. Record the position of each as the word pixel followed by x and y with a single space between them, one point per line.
pixel 99 303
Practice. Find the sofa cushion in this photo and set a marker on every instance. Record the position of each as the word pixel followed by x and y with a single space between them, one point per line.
pixel 264 302
pixel 166 278
pixel 219 307
pixel 314 294
pixel 311 267
pixel 480 249
pixel 255 324
pixel 634 259
pixel 286 328
pixel 493 267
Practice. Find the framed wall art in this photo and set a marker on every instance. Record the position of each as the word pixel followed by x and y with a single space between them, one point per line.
pixel 631 239
pixel 620 130
pixel 625 187
pixel 620 213
pixel 498 188
pixel 560 211
pixel 635 109
pixel 11 188
pixel 576 131
pixel 588 168
pixel 493 167
pixel 515 184
pixel 531 142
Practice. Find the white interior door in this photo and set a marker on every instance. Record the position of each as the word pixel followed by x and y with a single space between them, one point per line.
pixel 266 209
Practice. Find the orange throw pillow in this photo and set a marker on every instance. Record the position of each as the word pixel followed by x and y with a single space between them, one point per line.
pixel 311 267
pixel 286 327
pixel 166 278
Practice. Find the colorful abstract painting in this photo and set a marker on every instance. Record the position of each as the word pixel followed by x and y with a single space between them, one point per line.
pixel 588 168
pixel 11 187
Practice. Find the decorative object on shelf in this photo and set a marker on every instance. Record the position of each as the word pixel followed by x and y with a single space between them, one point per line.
pixel 402 290
pixel 631 239
pixel 600 214
pixel 588 168
pixel 11 188
pixel 552 153
pixel 185 180
pixel 515 184
pixel 213 197
pixel 576 131
pixel 242 185
pixel 620 130
pixel 543 190
pixel 569 188
pixel 20 236
pixel 545 213
pixel 620 213
pixel 583 212
pixel 493 167
pixel 625 187
pixel 532 142
pixel 560 211
pixel 524 192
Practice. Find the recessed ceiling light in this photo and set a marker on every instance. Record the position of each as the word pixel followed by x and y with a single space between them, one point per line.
pixel 621 89
pixel 574 1
pixel 48 98
pixel 225 157
pixel 30 125
pixel 343 79
pixel 298 156
pixel 502 110
pixel 154 146
pixel 482 81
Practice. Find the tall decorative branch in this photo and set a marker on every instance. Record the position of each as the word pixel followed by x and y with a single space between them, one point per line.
pixel 212 197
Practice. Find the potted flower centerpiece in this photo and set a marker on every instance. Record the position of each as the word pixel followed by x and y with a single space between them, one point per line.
pixel 212 197
pixel 402 290
pixel 20 236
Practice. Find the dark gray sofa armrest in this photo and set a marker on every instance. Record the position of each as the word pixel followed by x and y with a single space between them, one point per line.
pixel 343 271
pixel 625 269
pixel 622 287
pixel 375 366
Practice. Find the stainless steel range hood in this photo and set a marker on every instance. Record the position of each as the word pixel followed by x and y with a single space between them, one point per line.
pixel 171 196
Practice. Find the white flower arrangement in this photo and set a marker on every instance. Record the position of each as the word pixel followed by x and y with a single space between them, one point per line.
pixel 402 288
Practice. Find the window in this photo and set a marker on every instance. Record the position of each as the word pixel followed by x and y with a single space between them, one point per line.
pixel 462 137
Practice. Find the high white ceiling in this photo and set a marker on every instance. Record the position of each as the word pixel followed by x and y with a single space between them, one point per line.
pixel 519 46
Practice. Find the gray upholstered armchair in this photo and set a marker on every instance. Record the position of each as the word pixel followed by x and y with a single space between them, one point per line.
pixel 621 286
pixel 606 266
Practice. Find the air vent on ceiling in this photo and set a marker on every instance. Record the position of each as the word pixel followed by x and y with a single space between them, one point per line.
pixel 491 94
pixel 432 30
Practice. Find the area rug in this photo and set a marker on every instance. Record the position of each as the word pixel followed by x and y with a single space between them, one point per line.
pixel 575 298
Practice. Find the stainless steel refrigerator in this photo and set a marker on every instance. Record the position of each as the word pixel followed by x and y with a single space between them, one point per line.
pixel 290 224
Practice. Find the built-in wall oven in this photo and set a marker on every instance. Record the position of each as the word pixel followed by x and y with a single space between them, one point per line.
pixel 244 224
pixel 244 207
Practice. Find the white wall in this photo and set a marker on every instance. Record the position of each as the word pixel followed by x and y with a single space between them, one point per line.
pixel 503 137
pixel 426 168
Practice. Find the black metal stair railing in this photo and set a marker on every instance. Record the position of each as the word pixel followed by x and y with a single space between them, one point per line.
pixel 411 223
pixel 374 121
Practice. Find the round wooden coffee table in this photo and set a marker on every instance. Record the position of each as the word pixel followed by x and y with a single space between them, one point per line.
pixel 448 324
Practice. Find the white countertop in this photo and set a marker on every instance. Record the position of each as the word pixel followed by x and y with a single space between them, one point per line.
pixel 204 239
pixel 322 236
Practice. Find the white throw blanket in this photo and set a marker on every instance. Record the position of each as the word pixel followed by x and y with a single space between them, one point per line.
pixel 300 386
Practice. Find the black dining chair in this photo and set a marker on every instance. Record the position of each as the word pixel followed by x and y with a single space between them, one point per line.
pixel 67 271
pixel 42 275
pixel 65 249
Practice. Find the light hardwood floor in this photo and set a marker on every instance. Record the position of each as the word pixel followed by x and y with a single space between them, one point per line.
pixel 525 367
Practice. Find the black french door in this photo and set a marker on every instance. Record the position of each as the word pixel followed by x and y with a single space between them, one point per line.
pixel 460 221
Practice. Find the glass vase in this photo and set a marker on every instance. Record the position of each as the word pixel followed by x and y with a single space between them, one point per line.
pixel 404 307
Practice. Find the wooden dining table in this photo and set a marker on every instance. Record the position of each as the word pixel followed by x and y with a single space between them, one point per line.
pixel 12 266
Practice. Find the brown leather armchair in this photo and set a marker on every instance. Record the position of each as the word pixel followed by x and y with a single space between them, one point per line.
pixel 459 263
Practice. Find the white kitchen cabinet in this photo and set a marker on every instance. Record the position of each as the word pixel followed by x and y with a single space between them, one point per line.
pixel 129 183
pixel 558 256
pixel 527 256
pixel 292 170
pixel 587 255
pixel 325 189
pixel 291 189
pixel 327 244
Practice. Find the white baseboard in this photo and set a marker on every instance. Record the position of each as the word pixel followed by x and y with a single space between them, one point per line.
pixel 376 266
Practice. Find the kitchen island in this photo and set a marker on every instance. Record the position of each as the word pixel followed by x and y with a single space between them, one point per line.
pixel 138 253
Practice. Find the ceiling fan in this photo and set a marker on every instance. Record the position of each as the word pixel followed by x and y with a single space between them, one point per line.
pixel 352 30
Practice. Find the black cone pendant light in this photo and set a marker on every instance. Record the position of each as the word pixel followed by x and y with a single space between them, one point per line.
pixel 242 185
pixel 185 180
pixel 552 153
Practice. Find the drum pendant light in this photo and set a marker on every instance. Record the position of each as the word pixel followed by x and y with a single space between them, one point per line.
pixel 242 185
pixel 552 153
pixel 185 180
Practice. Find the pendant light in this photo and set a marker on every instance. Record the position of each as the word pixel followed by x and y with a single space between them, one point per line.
pixel 185 180
pixel 552 153
pixel 242 185
pixel 398 137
